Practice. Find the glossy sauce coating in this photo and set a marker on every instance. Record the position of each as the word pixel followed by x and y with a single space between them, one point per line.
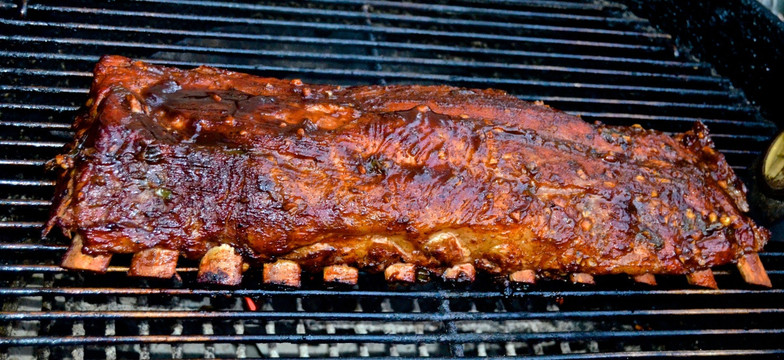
pixel 371 176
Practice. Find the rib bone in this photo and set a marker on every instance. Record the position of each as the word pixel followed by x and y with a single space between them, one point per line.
pixel 702 278
pixel 154 262
pixel 282 272
pixel 341 274
pixel 582 278
pixel 523 276
pixel 75 259
pixel 649 279
pixel 461 273
pixel 401 272
pixel 221 265
pixel 752 270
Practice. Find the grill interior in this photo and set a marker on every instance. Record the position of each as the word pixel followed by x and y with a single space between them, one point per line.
pixel 592 58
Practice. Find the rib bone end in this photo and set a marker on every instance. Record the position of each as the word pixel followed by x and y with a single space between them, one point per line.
pixel 400 272
pixel 461 273
pixel 702 278
pixel 282 272
pixel 582 278
pixel 154 262
pixel 341 274
pixel 753 272
pixel 221 265
pixel 523 276
pixel 75 259
pixel 649 279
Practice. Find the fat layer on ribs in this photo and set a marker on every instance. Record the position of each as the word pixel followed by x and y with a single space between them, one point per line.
pixel 371 176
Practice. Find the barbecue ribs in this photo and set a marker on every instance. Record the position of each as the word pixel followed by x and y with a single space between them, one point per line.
pixel 240 171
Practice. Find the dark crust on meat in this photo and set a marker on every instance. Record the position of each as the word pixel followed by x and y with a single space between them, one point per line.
pixel 220 265
pixel 370 176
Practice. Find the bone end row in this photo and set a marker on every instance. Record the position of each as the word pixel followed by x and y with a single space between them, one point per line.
pixel 222 265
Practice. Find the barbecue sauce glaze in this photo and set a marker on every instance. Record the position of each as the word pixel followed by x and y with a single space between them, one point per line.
pixel 370 176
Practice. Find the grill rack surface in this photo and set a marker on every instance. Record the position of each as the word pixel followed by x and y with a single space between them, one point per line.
pixel 592 58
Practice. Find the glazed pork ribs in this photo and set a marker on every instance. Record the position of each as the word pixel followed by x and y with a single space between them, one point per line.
pixel 243 171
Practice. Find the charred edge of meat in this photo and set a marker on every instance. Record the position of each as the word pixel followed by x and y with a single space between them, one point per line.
pixel 221 265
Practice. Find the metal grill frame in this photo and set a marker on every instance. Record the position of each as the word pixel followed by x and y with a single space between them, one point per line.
pixel 591 58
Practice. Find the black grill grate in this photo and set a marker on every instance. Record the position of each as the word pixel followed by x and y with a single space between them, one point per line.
pixel 592 58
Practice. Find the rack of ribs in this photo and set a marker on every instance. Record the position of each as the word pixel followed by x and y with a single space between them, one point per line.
pixel 243 171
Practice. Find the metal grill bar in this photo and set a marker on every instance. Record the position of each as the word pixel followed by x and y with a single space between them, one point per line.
pixel 533 3
pixel 384 59
pixel 22 162
pixel 36 124
pixel 50 144
pixel 359 28
pixel 43 89
pixel 32 247
pixel 402 75
pixel 478 10
pixel 382 339
pixel 21 224
pixel 367 316
pixel 42 72
pixel 25 202
pixel 13 182
pixel 404 46
pixel 58 269
pixel 313 55
pixel 734 107
pixel 407 18
pixel 55 108
pixel 738 123
pixel 566 293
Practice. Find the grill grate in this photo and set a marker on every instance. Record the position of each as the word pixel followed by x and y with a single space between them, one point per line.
pixel 592 58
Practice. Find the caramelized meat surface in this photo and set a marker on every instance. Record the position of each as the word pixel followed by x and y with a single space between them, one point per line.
pixel 369 177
